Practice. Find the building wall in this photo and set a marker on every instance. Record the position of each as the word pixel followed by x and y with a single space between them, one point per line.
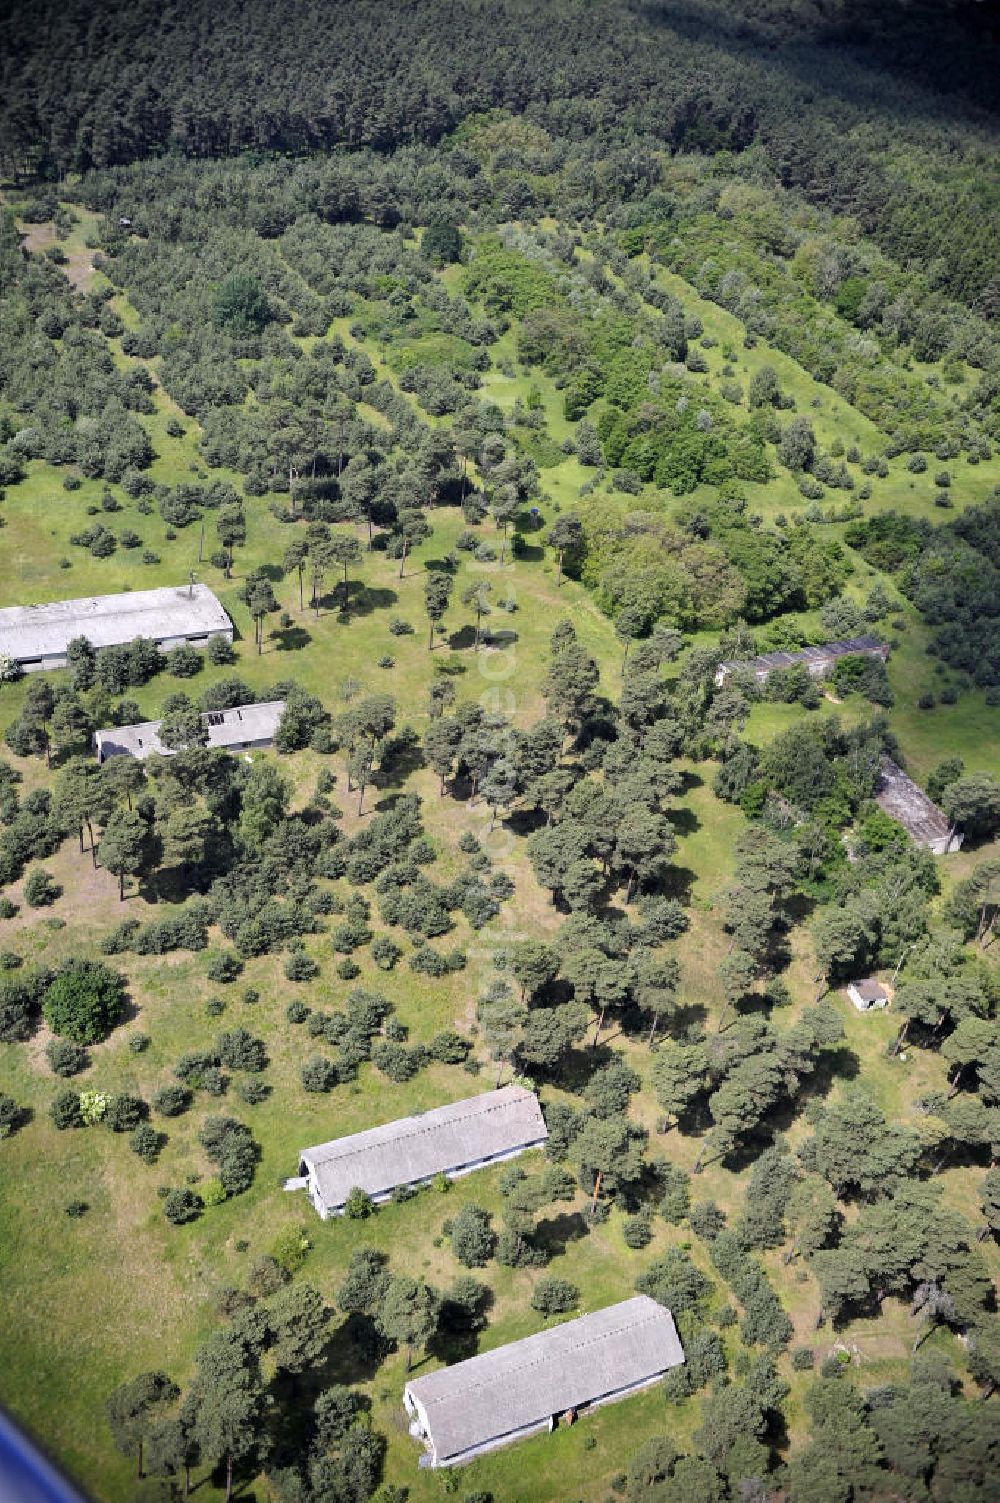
pixel 415 1184
pixel 48 662
pixel 414 1407
pixel 946 844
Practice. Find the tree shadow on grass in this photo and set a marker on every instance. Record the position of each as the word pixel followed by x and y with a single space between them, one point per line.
pixel 400 757
pixel 677 883
pixel 290 638
pixel 463 638
pixel 555 1233
pixel 683 821
pixel 356 1354
pixel 372 598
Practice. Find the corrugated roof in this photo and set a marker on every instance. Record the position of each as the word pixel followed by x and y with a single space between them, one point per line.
pixel 899 796
pixel 226 728
pixel 828 652
pixel 527 1381
pixel 31 631
pixel 435 1142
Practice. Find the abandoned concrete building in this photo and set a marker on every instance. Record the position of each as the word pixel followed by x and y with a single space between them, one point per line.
pixel 500 1396
pixel 899 796
pixel 246 728
pixel 818 660
pixel 36 636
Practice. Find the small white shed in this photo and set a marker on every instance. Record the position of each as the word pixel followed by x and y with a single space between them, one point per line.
pixel 867 994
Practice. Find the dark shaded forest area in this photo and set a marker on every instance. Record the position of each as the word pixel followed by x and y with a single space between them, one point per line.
pixel 876 111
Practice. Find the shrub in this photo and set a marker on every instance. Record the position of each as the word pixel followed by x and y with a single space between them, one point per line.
pixel 427 961
pixel 76 1208
pixel 676 1384
pixel 396 1061
pixel 8 910
pixel 239 1050
pixel 229 1144
pixel 290 1248
pixel 172 1100
pixel 65 1111
pixel 11 1116
pixel 213 1192
pixel 300 967
pixel 385 952
pixel 85 1001
pixel 224 967
pixel 253 1092
pixel 297 1012
pixel 637 1230
pixel 220 652
pixel 180 1206
pixel 138 1043
pixel 803 1359
pixel 706 1220
pixel 183 661
pixel 66 1058
pixel 676 1194
pixel 146 1143
pixel 358 1205
pixel 318 1074
pixel 554 1296
pixel 449 1047
pixel 40 889
pixel 124 1112
pixel 473 1240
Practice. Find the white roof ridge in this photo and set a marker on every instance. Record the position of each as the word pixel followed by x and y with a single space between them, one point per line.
pixel 413 1126
pixel 469 1384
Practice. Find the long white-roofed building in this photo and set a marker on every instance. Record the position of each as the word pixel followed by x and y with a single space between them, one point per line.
pixel 36 636
pixel 245 728
pixel 452 1140
pixel 500 1396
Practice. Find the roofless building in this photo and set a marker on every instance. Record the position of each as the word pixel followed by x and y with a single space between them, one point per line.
pixel 899 796
pixel 818 660
pixel 452 1140
pixel 246 728
pixel 36 636
pixel 503 1395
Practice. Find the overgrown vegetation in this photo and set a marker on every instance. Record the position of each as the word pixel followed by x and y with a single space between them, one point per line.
pixel 497 432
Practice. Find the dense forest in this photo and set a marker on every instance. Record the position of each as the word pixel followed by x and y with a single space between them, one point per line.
pixel 505 370
pixel 885 119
